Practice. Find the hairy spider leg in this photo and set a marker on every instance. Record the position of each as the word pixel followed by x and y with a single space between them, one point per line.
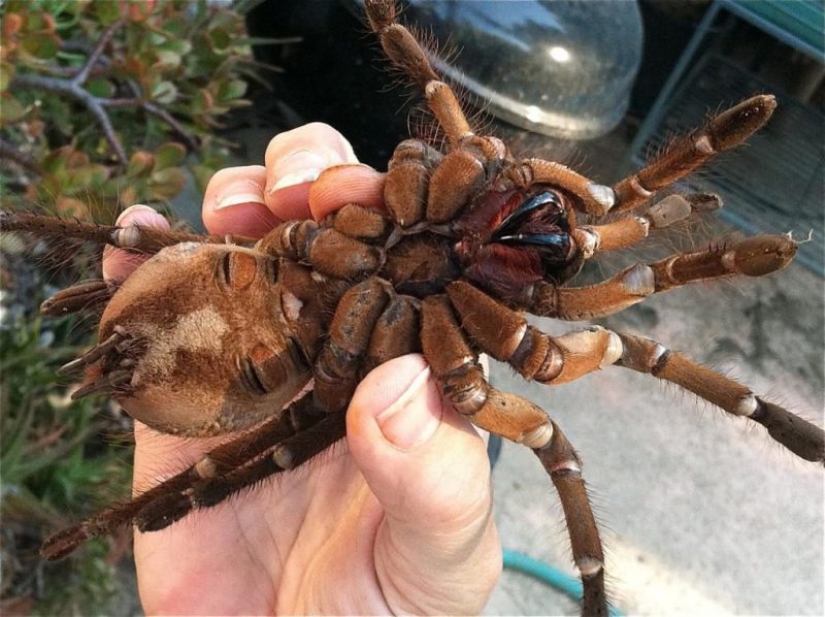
pixel 754 256
pixel 395 333
pixel 562 463
pixel 462 381
pixel 328 250
pixel 505 335
pixel 337 368
pixel 94 294
pixel 424 185
pixel 685 154
pixel 630 230
pixel 211 490
pixel 557 360
pixel 401 47
pixel 137 238
pixel 296 418
pixel 798 435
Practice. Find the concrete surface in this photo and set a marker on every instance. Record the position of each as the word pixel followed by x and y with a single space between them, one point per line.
pixel 700 514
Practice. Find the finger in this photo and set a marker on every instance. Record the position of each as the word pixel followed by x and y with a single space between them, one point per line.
pixel 429 470
pixel 294 159
pixel 346 184
pixel 117 263
pixel 234 202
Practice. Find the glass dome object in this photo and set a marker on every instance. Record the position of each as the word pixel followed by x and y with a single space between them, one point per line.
pixel 563 68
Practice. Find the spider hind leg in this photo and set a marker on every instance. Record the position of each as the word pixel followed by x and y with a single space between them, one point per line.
pixel 137 238
pixel 217 487
pixel 298 418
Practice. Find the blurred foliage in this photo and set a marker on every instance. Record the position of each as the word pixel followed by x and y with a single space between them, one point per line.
pixel 103 104
pixel 100 102
pixel 54 455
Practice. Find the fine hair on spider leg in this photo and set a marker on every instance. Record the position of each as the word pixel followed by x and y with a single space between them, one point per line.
pixel 472 240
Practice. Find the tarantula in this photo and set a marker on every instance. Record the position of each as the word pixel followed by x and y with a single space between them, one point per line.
pixel 471 239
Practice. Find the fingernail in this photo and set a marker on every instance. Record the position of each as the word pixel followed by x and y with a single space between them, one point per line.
pixel 412 419
pixel 235 199
pixel 302 166
pixel 243 192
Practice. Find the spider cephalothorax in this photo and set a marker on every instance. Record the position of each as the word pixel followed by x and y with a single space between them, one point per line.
pixel 470 241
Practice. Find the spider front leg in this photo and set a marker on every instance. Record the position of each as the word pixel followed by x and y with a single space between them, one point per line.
pixel 403 50
pixel 462 381
pixel 631 230
pixel 723 132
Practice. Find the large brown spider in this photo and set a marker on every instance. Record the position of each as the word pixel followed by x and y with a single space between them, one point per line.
pixel 471 240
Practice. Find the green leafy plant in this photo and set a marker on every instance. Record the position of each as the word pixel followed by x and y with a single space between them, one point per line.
pixel 100 102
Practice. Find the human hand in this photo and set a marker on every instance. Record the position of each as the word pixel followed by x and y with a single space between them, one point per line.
pixel 397 520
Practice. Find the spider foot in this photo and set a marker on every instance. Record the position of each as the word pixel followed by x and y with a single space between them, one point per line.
pixel 801 437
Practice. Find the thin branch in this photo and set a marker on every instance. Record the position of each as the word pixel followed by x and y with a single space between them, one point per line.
pixel 157 111
pixel 75 90
pixel 83 73
pixel 98 112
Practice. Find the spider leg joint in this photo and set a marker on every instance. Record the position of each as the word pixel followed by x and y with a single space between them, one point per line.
pixel 603 195
pixel 539 437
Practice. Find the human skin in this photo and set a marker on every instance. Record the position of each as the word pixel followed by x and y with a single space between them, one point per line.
pixel 398 519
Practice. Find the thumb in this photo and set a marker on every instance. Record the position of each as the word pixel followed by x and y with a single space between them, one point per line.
pixel 429 470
